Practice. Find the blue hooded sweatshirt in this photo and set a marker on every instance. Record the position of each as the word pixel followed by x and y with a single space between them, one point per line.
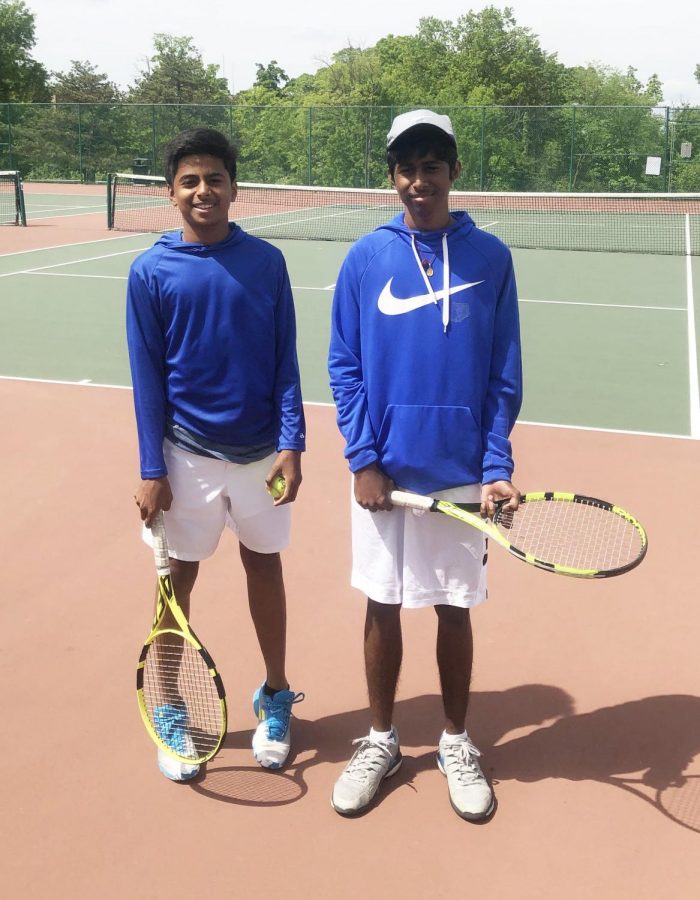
pixel 212 343
pixel 425 363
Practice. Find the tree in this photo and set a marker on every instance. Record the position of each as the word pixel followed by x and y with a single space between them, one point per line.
pixel 271 77
pixel 83 125
pixel 83 84
pixel 176 73
pixel 184 92
pixel 21 78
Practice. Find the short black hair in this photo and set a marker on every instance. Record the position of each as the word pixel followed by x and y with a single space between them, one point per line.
pixel 421 141
pixel 199 141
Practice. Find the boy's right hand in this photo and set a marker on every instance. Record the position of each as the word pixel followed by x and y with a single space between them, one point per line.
pixel 372 489
pixel 152 495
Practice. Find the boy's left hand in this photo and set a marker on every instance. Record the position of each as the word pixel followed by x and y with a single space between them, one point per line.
pixel 288 465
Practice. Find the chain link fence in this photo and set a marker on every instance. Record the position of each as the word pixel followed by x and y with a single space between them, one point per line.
pixel 564 148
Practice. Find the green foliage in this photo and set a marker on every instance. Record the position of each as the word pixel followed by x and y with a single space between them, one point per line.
pixel 271 77
pixel 83 84
pixel 685 129
pixel 21 77
pixel 176 73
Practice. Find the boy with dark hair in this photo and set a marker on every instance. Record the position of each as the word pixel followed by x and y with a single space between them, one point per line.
pixel 212 344
pixel 425 369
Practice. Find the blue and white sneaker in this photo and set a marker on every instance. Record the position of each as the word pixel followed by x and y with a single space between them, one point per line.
pixel 271 740
pixel 171 725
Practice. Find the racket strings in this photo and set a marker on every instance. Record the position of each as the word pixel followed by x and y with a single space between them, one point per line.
pixel 176 675
pixel 682 802
pixel 579 535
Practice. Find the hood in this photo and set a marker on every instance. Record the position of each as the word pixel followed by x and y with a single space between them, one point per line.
pixel 462 223
pixel 427 246
pixel 173 241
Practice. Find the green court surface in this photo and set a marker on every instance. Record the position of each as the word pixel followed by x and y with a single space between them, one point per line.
pixel 609 339
pixel 50 206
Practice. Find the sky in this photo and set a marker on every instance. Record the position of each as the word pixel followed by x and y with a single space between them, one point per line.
pixel 116 37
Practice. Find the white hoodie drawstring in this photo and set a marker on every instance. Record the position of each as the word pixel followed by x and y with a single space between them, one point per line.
pixel 445 279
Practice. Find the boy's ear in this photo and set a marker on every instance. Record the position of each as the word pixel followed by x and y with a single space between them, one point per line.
pixel 456 171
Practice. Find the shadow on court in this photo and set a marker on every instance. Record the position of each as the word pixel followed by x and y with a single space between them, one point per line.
pixel 656 736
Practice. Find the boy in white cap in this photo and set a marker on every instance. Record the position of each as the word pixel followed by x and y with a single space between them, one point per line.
pixel 425 368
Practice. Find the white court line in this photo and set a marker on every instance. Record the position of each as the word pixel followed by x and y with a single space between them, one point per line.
pixel 44 274
pixel 301 287
pixel 41 218
pixel 694 384
pixel 85 382
pixel 604 305
pixel 122 387
pixel 94 207
pixel 120 237
pixel 73 262
pixel 41 274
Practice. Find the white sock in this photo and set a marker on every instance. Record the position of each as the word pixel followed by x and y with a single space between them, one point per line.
pixel 385 737
pixel 454 737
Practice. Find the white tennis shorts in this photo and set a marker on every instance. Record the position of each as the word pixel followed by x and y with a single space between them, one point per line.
pixel 417 558
pixel 211 494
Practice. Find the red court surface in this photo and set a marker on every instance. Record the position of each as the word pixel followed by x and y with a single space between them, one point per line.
pixel 579 689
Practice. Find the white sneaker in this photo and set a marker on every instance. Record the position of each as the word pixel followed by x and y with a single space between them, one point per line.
pixel 174 769
pixel 372 762
pixel 470 793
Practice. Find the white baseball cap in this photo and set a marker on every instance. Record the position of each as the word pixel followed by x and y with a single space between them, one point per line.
pixel 416 117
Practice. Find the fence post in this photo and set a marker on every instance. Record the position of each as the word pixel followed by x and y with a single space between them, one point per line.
pixel 80 142
pixel 154 164
pixel 309 177
pixel 9 136
pixel 482 149
pixel 668 151
pixel 572 146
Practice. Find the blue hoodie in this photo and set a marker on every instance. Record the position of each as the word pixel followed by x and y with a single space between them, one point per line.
pixel 212 344
pixel 428 390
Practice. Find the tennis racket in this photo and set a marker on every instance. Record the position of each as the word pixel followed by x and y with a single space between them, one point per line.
pixel 180 693
pixel 679 801
pixel 564 533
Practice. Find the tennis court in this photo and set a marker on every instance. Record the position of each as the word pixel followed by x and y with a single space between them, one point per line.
pixel 585 700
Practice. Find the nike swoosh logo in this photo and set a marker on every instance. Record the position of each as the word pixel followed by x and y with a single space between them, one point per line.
pixel 396 306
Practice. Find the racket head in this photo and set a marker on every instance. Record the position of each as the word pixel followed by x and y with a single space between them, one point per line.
pixel 572 534
pixel 681 801
pixel 181 696
pixel 180 693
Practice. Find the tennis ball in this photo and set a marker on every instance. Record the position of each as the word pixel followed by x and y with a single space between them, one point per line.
pixel 277 487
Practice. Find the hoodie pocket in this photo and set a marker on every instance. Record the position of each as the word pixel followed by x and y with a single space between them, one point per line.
pixel 430 447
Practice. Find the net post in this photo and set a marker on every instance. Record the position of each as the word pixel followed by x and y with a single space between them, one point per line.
pixel 110 206
pixel 21 210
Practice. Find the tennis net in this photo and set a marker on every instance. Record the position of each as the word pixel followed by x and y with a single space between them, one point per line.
pixel 627 223
pixel 11 199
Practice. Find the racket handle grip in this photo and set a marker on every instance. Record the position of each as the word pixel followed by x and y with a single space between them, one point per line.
pixel 412 501
pixel 160 544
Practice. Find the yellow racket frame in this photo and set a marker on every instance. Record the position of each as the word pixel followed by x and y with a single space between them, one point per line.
pixel 468 513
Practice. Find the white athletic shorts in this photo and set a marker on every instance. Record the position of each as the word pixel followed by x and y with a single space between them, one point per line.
pixel 417 558
pixel 211 494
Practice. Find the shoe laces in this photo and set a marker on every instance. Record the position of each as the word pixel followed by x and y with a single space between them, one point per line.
pixel 171 722
pixel 278 710
pixel 460 759
pixel 370 757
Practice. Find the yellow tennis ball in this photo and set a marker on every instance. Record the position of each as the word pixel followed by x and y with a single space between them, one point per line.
pixel 277 487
